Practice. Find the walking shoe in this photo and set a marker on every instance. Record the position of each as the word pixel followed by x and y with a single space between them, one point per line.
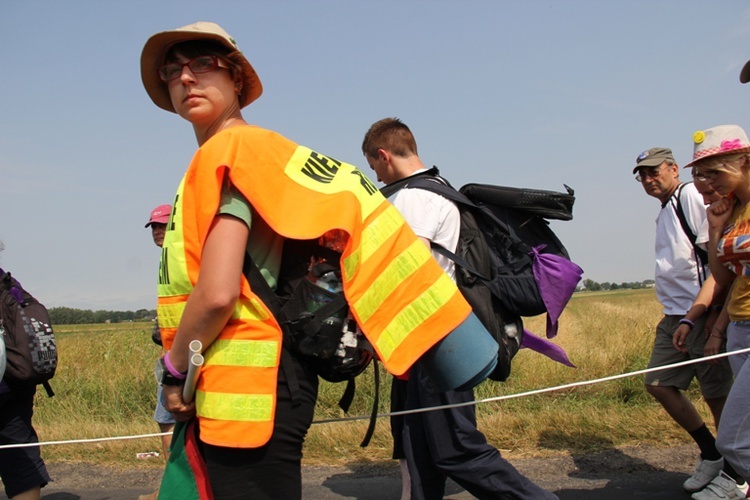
pixel 150 496
pixel 705 471
pixel 722 487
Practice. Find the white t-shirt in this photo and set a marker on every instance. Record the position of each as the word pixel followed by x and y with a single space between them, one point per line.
pixel 679 274
pixel 432 217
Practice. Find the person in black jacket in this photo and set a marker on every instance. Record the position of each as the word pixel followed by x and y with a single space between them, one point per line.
pixel 22 469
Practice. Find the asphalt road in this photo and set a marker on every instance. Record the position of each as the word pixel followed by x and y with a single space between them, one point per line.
pixel 615 474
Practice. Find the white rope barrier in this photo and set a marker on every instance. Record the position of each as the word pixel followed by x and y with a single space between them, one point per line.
pixel 431 408
pixel 547 389
pixel 77 441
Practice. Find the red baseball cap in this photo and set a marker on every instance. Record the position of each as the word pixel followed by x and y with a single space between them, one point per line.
pixel 160 215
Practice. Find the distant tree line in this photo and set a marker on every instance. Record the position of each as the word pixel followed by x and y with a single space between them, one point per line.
pixel 70 316
pixel 593 286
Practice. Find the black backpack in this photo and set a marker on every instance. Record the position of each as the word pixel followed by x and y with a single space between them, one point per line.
pixel 31 352
pixel 311 309
pixel 499 227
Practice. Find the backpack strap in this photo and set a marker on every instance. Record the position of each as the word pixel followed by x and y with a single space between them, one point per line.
pixel 260 287
pixel 374 412
pixel 507 237
pixel 701 254
pixel 393 187
pixel 48 388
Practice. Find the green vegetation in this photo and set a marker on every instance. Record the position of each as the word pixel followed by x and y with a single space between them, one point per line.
pixel 70 316
pixel 105 387
pixel 593 286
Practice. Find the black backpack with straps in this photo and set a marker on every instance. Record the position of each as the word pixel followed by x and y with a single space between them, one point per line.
pixel 700 254
pixel 30 348
pixel 494 271
pixel 310 307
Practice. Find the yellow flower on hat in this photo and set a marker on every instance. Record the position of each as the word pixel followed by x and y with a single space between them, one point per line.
pixel 699 137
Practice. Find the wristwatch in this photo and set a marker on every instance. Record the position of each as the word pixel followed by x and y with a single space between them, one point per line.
pixel 163 377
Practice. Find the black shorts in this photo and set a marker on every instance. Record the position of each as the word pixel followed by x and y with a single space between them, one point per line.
pixel 273 470
pixel 21 469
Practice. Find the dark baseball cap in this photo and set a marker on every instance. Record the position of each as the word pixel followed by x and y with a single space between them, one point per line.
pixel 745 73
pixel 653 158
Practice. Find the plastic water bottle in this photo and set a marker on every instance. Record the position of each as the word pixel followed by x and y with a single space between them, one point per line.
pixel 330 281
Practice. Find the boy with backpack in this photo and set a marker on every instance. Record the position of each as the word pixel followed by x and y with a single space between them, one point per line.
pixel 443 443
pixel 22 470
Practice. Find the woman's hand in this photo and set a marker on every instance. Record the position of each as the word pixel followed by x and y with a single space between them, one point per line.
pixel 718 213
pixel 714 345
pixel 174 403
pixel 679 336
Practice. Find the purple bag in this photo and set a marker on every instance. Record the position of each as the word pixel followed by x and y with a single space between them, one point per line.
pixel 557 278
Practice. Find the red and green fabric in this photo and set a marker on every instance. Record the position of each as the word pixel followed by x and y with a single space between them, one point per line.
pixel 185 477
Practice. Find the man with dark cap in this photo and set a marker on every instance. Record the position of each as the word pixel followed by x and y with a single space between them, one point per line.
pixel 681 237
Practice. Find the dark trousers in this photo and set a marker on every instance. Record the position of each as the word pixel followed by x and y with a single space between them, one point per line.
pixel 398 403
pixel 272 471
pixel 446 443
pixel 20 468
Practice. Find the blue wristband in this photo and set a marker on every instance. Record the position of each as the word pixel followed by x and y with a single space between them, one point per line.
pixel 685 321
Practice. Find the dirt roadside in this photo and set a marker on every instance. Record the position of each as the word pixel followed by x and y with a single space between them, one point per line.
pixel 614 474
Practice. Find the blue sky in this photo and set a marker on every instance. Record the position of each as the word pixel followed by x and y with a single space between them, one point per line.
pixel 518 93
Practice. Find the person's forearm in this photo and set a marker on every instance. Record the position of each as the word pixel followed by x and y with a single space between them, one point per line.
pixel 215 295
pixel 200 321
pixel 703 300
pixel 721 274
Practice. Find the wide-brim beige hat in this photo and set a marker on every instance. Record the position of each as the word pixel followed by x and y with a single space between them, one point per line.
pixel 157 46
pixel 718 141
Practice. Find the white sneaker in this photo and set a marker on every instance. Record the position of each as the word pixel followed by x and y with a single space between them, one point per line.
pixel 722 487
pixel 705 471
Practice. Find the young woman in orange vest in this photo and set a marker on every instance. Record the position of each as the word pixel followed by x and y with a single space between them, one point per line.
pixel 198 73
pixel 246 190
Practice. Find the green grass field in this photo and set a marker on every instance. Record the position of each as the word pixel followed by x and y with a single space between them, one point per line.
pixel 105 387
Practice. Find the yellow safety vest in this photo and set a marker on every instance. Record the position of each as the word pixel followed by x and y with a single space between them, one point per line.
pixel 401 298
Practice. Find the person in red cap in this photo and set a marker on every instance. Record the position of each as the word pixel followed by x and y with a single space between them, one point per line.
pixel 158 224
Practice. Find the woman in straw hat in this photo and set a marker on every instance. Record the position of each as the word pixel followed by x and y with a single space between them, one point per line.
pixel 722 157
pixel 251 440
pixel 245 190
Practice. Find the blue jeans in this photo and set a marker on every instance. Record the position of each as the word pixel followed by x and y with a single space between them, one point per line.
pixel 161 415
pixel 733 439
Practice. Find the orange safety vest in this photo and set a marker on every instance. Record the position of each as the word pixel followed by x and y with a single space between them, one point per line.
pixel 401 298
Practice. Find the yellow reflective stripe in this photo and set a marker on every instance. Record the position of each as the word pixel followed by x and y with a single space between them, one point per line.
pixel 169 314
pixel 249 309
pixel 373 237
pixel 252 353
pixel 417 312
pixel 173 271
pixel 235 407
pixel 392 276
